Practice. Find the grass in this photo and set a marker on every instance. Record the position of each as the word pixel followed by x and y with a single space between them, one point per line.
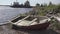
pixel 56 24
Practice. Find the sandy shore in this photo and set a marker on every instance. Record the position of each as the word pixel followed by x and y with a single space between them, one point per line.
pixel 6 29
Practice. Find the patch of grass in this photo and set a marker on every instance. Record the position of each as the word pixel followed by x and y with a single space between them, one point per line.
pixel 56 24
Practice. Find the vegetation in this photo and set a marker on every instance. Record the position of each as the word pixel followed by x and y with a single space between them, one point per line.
pixel 55 24
pixel 45 9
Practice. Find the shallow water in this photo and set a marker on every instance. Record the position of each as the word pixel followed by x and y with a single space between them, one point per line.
pixel 7 13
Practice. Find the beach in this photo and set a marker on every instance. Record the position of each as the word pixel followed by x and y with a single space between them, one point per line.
pixel 7 29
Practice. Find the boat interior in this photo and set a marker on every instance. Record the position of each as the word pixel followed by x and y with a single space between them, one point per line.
pixel 28 20
pixel 19 18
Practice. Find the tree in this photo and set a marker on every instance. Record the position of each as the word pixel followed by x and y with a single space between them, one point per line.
pixel 50 3
pixel 27 4
pixel 41 5
pixel 37 4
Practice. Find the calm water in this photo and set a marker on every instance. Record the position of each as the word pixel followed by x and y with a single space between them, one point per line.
pixel 7 13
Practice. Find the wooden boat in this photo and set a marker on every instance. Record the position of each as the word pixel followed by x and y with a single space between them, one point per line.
pixel 31 23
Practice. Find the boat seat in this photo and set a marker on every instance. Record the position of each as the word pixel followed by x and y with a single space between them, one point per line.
pixel 33 21
pixel 26 23
pixel 45 20
pixel 21 20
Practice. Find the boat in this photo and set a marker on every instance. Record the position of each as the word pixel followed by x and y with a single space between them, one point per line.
pixel 31 23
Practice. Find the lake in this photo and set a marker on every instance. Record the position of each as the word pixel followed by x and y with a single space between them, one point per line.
pixel 7 13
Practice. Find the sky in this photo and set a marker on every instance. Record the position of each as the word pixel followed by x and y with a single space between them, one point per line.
pixel 32 2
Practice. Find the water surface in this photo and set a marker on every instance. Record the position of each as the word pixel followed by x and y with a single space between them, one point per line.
pixel 7 13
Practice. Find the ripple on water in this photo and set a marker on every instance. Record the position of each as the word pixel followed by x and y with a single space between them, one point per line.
pixel 7 13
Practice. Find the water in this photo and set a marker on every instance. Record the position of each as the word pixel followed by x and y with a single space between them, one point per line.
pixel 7 13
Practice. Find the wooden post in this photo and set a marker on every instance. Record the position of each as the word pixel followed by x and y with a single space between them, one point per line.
pixel 38 19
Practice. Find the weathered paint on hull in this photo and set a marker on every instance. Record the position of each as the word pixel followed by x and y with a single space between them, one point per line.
pixel 32 27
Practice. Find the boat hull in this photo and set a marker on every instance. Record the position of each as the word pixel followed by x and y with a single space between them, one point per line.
pixel 32 27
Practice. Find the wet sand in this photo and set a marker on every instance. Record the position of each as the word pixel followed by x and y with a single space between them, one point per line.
pixel 6 29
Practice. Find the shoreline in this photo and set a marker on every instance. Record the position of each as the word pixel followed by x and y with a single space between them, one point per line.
pixel 7 29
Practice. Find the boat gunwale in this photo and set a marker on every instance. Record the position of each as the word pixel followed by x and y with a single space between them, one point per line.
pixel 34 24
pixel 37 23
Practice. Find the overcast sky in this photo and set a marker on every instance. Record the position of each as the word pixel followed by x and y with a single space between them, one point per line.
pixel 32 2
